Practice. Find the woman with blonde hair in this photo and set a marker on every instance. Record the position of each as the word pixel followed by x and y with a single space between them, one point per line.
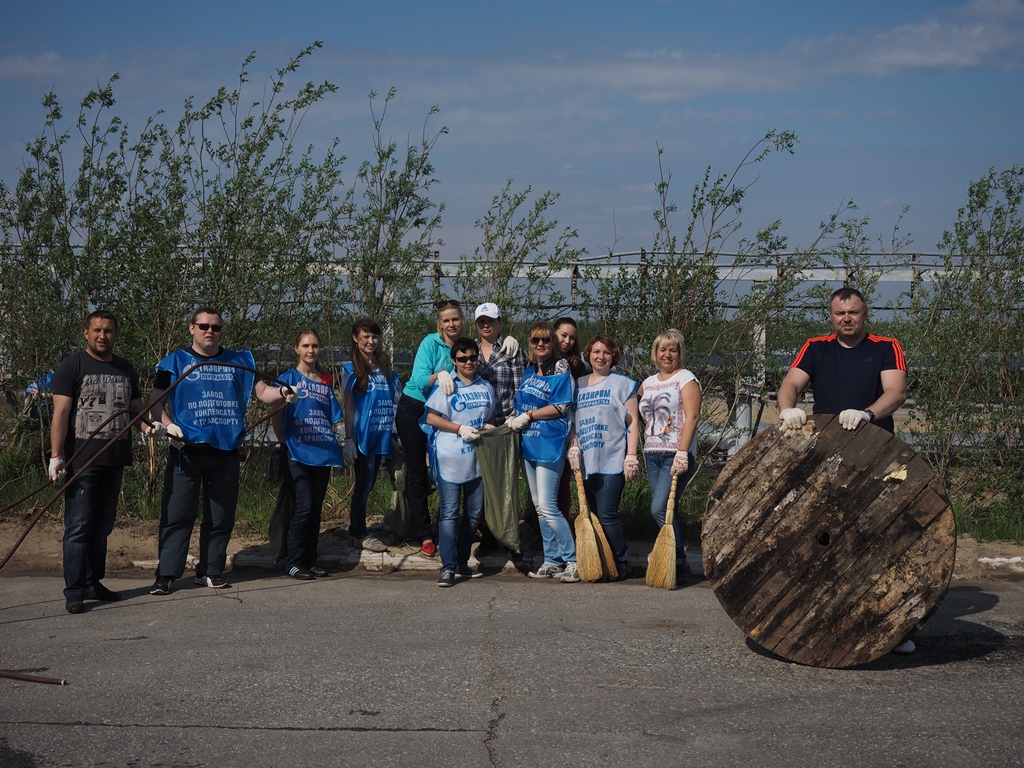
pixel 670 403
pixel 432 365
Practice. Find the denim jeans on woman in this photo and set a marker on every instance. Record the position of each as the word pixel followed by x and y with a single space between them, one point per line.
pixel 659 477
pixel 604 492
pixel 555 533
pixel 455 531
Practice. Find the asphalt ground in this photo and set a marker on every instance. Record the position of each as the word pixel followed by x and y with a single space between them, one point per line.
pixel 385 669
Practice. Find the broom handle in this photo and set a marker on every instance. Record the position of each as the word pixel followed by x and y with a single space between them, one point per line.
pixel 581 494
pixel 671 506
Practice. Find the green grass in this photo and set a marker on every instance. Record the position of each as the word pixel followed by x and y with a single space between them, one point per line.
pixel 1002 520
pixel 998 517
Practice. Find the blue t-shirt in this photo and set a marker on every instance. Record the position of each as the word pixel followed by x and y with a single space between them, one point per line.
pixel 307 429
pixel 452 459
pixel 209 404
pixel 374 409
pixel 544 440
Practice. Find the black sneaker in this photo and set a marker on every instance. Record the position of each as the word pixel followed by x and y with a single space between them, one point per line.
pixel 468 573
pixel 317 571
pixel 162 586
pixel 298 573
pixel 214 582
pixel 74 605
pixel 99 592
pixel 447 579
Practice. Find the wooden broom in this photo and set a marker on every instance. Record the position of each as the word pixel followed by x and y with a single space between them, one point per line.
pixel 661 566
pixel 604 549
pixel 588 555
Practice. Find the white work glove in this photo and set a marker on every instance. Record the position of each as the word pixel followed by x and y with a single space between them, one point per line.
pixel 519 423
pixel 680 463
pixel 631 468
pixel 154 430
pixel 509 347
pixel 350 452
pixel 56 469
pixel 289 394
pixel 574 455
pixel 445 382
pixel 793 418
pixel 175 436
pixel 851 418
pixel 468 433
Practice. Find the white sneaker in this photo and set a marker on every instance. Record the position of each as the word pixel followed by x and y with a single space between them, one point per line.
pixel 215 582
pixel 373 544
pixel 570 575
pixel 908 647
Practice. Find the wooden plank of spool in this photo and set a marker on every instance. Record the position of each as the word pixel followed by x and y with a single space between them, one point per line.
pixel 827 546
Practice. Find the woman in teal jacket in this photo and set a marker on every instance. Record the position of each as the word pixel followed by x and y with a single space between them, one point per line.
pixel 433 365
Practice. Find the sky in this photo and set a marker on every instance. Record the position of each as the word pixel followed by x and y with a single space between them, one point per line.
pixel 894 103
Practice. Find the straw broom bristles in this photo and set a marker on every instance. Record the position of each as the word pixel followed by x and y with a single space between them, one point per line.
pixel 661 566
pixel 588 554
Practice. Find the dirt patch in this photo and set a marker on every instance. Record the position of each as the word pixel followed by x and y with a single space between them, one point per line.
pixel 132 541
pixel 135 541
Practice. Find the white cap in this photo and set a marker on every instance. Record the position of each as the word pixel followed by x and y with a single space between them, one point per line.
pixel 487 309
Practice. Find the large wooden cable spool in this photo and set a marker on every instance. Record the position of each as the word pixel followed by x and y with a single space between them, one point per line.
pixel 828 546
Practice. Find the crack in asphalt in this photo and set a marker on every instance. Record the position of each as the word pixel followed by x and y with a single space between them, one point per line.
pixel 252 728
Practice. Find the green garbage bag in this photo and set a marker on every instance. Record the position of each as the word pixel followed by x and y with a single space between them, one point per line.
pixel 497 452
pixel 398 518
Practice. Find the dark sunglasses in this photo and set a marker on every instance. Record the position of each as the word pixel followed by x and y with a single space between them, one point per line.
pixel 467 358
pixel 209 327
pixel 447 304
pixel 540 340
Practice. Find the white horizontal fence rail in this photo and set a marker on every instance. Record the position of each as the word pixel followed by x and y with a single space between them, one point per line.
pixel 910 270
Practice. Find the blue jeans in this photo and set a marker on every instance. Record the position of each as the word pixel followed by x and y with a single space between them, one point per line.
pixel 455 532
pixel 555 533
pixel 659 477
pixel 310 486
pixel 603 495
pixel 90 505
pixel 192 472
pixel 367 469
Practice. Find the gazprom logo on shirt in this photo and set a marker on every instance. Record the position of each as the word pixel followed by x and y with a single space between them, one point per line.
pixel 210 373
pixel 463 400
pixel 593 398
pixel 531 387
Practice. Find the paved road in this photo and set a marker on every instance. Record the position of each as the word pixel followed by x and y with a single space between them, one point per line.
pixel 388 670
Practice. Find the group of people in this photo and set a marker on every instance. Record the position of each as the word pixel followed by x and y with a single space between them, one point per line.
pixel 571 411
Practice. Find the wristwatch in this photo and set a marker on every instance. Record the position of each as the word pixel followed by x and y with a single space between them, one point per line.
pixel 871 414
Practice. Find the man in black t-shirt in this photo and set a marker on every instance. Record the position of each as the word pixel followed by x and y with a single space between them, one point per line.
pixel 860 376
pixel 88 388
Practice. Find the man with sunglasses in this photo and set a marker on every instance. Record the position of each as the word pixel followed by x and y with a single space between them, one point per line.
pixel 206 425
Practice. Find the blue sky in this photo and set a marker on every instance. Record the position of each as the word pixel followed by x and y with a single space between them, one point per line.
pixel 894 103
